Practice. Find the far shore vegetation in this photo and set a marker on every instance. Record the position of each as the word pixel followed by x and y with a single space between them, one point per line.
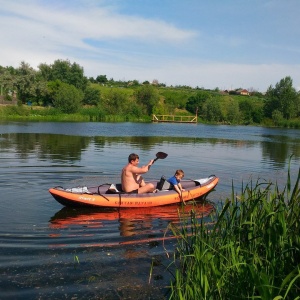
pixel 61 92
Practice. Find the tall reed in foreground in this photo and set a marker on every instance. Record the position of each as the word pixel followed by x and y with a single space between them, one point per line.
pixel 251 251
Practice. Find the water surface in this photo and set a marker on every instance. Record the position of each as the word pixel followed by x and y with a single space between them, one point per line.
pixel 51 252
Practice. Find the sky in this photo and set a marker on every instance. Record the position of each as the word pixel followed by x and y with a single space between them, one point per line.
pixel 225 44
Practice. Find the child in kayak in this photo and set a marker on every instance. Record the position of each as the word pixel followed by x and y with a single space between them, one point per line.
pixel 175 181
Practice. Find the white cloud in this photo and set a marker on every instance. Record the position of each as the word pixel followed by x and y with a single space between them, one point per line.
pixel 195 73
pixel 104 41
pixel 88 22
pixel 38 34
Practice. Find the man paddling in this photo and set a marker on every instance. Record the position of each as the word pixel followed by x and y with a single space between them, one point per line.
pixel 132 181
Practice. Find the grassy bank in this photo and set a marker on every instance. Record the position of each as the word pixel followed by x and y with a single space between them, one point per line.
pixel 50 114
pixel 95 114
pixel 252 250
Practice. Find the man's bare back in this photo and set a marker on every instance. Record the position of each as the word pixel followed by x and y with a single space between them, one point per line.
pixel 131 178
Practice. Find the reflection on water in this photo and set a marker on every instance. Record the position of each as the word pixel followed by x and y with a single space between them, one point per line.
pixel 44 146
pixel 58 147
pixel 279 151
pixel 132 221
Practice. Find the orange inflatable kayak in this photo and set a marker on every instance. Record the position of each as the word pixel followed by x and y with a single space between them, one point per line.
pixel 111 196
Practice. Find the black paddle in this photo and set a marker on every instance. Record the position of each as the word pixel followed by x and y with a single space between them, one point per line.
pixel 160 155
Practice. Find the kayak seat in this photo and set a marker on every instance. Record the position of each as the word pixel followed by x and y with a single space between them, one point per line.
pixel 163 184
pixel 160 184
pixel 119 187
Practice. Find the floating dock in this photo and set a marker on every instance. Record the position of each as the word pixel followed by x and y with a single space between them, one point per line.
pixel 173 119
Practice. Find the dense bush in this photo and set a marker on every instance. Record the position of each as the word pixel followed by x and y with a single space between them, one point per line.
pixel 67 98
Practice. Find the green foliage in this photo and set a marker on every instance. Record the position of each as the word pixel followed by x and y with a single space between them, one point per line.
pixel 136 111
pixel 292 123
pixel 175 98
pixel 247 110
pixel 148 96
pixel 212 110
pixel 131 99
pixel 197 101
pixel 12 110
pixel 284 98
pixel 258 115
pixel 91 96
pixel 250 250
pixel 27 84
pixel 101 79
pixel 233 114
pixel 277 117
pixel 117 102
pixel 67 98
pixel 24 87
pixel 134 83
pixel 93 113
pixel 7 80
pixel 239 109
pixel 45 72
pixel 64 71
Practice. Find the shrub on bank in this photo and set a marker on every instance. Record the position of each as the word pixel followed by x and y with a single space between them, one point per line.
pixel 252 250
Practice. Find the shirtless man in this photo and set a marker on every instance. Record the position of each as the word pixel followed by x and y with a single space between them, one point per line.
pixel 132 181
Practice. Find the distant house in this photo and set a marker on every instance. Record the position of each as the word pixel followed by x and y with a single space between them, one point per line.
pixel 243 92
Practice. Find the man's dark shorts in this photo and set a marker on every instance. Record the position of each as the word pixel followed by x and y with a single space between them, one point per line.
pixel 133 192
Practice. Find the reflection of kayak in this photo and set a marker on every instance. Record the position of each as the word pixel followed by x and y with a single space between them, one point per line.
pixel 107 196
pixel 94 218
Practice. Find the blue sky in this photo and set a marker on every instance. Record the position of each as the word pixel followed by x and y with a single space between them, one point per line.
pixel 206 43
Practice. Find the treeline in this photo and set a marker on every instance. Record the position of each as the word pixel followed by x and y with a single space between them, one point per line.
pixel 64 87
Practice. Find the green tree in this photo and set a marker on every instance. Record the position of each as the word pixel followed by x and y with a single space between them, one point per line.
pixel 91 96
pixel 174 99
pixel 66 72
pixel 212 110
pixel 197 101
pixel 258 115
pixel 26 77
pixel 277 117
pixel 136 110
pixel 233 112
pixel 247 109
pixel 66 97
pixel 117 102
pixel 101 79
pixel 7 81
pixel 283 98
pixel 45 72
pixel 28 84
pixel 148 96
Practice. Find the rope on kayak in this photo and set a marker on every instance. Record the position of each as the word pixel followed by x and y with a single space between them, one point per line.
pixel 119 193
pixel 100 193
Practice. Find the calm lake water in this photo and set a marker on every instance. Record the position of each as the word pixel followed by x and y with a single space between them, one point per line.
pixel 51 252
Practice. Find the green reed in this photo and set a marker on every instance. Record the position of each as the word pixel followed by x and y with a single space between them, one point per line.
pixel 250 251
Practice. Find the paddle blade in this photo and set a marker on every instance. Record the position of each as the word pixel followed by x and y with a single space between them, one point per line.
pixel 161 155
